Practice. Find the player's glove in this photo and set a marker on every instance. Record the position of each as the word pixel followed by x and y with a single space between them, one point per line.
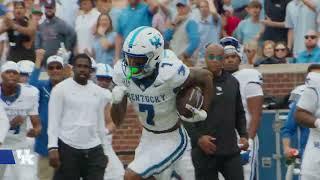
pixel 198 114
pixel 118 93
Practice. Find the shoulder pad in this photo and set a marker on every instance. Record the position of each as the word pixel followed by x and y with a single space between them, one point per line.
pixel 249 75
pixel 312 80
pixel 297 92
pixel 169 69
pixel 169 55
pixel 118 74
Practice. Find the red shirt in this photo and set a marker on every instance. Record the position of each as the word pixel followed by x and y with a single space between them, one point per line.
pixel 231 24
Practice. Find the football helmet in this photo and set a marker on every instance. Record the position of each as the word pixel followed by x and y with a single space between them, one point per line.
pixel 104 70
pixel 142 49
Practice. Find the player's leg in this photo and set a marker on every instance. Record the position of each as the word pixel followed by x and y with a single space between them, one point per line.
pixel 310 163
pixel 114 170
pixel 69 163
pixel 184 166
pixel 232 168
pixel 250 170
pixel 96 164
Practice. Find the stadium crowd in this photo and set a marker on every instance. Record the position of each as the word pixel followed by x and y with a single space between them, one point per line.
pixel 44 43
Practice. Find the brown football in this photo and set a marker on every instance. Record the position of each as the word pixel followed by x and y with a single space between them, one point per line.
pixel 192 96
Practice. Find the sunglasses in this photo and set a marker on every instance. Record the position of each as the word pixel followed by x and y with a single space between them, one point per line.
pixel 54 67
pixel 280 49
pixel 212 57
pixel 310 36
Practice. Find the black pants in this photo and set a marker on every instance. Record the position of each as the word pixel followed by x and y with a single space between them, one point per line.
pixel 207 167
pixel 89 164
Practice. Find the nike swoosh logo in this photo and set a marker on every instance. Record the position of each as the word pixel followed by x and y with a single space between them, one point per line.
pixel 157 85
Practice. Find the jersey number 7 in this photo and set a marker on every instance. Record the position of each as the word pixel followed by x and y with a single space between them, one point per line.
pixel 150 112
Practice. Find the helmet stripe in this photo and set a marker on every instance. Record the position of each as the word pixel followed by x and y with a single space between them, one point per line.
pixel 134 36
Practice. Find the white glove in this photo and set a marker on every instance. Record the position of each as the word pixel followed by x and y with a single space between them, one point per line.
pixel 198 115
pixel 118 93
pixel 62 52
pixel 317 124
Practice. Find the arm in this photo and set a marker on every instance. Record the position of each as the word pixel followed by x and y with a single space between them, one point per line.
pixel 34 117
pixel 54 117
pixel 193 36
pixel 310 5
pixel 153 6
pixel 4 124
pixel 70 37
pixel 118 111
pixel 118 46
pixel 254 98
pixel 168 34
pixel 289 129
pixel 108 121
pixel 305 118
pixel 30 30
pixel 34 78
pixel 290 39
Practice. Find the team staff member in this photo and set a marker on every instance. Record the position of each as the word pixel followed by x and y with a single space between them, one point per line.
pixel 76 125
pixel 215 139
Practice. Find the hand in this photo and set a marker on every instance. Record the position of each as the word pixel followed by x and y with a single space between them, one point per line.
pixel 118 92
pixel 244 145
pixel 290 152
pixel 8 22
pixel 267 21
pixel 17 121
pixel 62 52
pixel 34 132
pixel 54 158
pixel 179 19
pixel 40 54
pixel 206 144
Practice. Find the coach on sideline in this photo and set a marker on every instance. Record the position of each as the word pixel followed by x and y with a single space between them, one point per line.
pixel 215 146
pixel 76 129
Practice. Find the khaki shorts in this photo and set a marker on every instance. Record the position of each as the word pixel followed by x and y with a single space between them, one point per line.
pixel 45 171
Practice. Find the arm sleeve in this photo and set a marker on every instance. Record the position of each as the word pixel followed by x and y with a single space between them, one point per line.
pixel 241 122
pixel 168 34
pixel 37 42
pixel 308 100
pixel 290 126
pixel 35 103
pixel 253 90
pixel 194 37
pixel 34 78
pixel 54 116
pixel 4 124
pixel 288 22
pixel 180 74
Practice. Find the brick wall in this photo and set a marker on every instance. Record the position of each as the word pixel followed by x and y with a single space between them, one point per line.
pixel 279 80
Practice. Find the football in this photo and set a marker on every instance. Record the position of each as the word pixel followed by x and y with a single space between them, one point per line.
pixel 190 96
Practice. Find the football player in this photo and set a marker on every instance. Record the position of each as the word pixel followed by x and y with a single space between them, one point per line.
pixel 151 82
pixel 114 170
pixel 20 102
pixel 252 99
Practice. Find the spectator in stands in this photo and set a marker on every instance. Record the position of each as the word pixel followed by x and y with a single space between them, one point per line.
pixel 250 29
pixel 36 14
pixel 67 10
pixel 85 23
pixel 209 24
pixel 312 52
pixel 267 54
pixel 21 32
pixel 134 15
pixel 299 20
pixel 229 21
pixel 54 69
pixel 183 34
pixel 251 52
pixel 161 18
pixel 274 21
pixel 54 31
pixel 281 53
pixel 103 46
pixel 105 6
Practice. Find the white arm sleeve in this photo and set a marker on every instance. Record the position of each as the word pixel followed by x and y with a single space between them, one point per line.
pixel 35 104
pixel 308 100
pixel 253 90
pixel 55 110
pixel 4 124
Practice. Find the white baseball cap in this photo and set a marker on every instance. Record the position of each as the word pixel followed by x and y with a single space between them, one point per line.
pixel 26 66
pixel 231 50
pixel 55 58
pixel 104 70
pixel 10 65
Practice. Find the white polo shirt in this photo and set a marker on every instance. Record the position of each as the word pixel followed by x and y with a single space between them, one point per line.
pixel 76 114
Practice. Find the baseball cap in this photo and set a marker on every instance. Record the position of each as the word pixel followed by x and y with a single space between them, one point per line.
pixel 50 3
pixel 104 70
pixel 182 2
pixel 25 66
pixel 36 9
pixel 55 58
pixel 10 65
